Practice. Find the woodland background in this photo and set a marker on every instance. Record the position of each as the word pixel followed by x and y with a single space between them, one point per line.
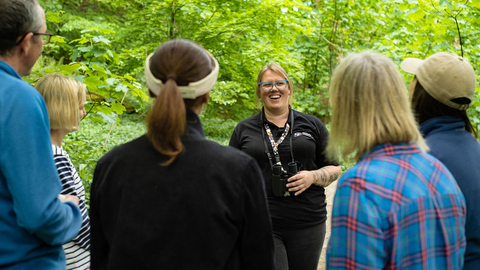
pixel 104 43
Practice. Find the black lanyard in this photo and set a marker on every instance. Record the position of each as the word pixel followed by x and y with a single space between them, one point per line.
pixel 277 156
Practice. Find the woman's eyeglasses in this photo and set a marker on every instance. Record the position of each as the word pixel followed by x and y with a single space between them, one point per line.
pixel 268 86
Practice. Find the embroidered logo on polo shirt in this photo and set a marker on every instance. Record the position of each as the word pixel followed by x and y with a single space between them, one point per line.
pixel 297 134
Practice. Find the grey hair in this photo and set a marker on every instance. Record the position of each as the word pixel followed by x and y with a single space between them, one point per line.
pixel 17 18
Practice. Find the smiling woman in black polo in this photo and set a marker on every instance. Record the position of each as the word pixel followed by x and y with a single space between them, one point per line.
pixel 280 137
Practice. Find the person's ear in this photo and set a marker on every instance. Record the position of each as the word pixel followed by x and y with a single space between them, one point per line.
pixel 151 94
pixel 26 44
pixel 411 88
pixel 206 97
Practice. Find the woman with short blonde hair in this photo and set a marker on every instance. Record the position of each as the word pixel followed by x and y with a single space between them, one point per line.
pixel 65 98
pixel 398 206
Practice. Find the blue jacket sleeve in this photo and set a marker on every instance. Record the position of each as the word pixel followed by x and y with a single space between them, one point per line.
pixel 27 165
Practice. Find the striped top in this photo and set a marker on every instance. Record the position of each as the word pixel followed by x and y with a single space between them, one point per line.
pixel 77 251
pixel 397 208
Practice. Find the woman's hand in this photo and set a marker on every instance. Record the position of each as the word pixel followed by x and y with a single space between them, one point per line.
pixel 69 198
pixel 322 177
pixel 300 182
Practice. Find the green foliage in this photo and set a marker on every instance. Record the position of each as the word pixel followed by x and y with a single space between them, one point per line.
pixel 91 58
pixel 218 130
pixel 87 146
pixel 104 43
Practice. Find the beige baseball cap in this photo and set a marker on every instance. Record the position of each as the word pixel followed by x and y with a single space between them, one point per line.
pixel 445 76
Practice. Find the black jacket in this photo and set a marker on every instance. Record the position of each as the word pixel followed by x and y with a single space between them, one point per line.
pixel 207 210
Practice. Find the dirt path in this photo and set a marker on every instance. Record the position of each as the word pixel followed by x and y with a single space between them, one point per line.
pixel 330 193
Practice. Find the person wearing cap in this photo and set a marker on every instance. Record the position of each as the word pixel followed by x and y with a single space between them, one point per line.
pixel 443 88
pixel 34 220
pixel 398 207
pixel 172 199
pixel 280 138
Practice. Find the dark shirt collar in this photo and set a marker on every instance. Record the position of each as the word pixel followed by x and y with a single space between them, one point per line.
pixel 262 116
pixel 441 124
pixel 193 126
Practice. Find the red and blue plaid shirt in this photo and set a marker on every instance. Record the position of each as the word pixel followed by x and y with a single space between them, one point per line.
pixel 397 208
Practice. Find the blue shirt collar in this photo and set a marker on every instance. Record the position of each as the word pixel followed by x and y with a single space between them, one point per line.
pixel 441 124
pixel 9 69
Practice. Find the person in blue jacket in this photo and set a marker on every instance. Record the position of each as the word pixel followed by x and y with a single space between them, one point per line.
pixel 34 220
pixel 442 90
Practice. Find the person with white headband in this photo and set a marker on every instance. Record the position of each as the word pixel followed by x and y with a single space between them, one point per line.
pixel 172 199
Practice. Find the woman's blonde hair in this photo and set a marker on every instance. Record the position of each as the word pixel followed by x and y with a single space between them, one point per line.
pixel 62 96
pixel 369 107
pixel 277 69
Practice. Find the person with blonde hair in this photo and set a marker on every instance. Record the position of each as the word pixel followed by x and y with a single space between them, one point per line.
pixel 65 98
pixel 289 147
pixel 397 207
pixel 171 199
pixel 441 91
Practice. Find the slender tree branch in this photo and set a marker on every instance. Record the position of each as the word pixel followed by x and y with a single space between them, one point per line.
pixel 113 124
pixel 91 108
pixel 454 17
pixel 328 41
pixel 459 34
pixel 171 31
pixel 331 39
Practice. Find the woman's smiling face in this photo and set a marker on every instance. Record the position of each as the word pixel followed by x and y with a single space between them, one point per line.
pixel 274 100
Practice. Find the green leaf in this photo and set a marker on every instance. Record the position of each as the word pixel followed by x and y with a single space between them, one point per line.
pixel 118 108
pixel 85 49
pixel 53 16
pixel 121 88
pixel 101 39
pixel 446 3
pixel 70 68
pixel 112 81
pixel 75 54
pixel 96 119
pixel 93 82
pixel 58 39
pixel 108 118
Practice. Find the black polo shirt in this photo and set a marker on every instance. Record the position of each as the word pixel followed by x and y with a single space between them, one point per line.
pixel 309 142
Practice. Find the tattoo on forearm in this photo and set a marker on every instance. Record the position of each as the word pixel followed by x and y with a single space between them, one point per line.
pixel 324 178
pixel 334 176
pixel 315 177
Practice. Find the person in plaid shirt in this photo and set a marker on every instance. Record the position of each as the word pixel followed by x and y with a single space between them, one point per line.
pixel 397 207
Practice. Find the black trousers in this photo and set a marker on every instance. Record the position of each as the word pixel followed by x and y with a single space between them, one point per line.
pixel 299 249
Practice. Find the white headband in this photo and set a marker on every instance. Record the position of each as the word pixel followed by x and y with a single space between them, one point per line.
pixel 192 90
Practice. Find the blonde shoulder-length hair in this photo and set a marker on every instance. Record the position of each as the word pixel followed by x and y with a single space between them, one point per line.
pixel 63 96
pixel 369 107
